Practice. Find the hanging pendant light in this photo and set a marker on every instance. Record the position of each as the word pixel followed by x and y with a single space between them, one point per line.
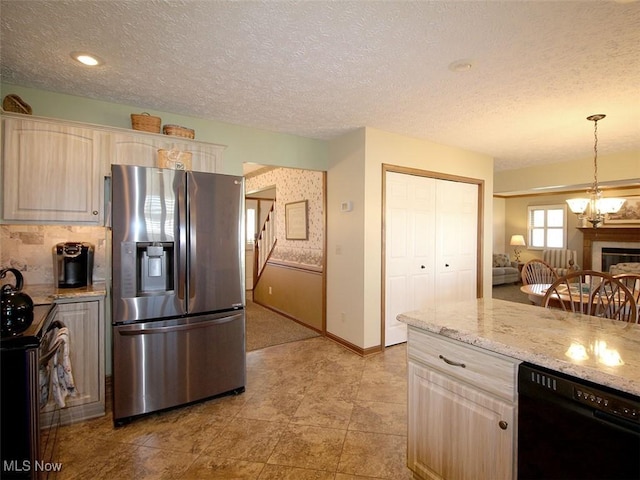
pixel 598 206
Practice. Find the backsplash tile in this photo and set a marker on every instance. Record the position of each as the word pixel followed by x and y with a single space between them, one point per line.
pixel 29 248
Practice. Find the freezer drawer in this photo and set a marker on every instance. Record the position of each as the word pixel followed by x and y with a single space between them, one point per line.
pixel 163 364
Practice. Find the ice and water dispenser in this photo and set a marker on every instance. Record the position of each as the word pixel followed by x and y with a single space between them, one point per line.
pixel 147 268
pixel 156 267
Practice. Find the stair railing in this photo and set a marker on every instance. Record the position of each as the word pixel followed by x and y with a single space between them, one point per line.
pixel 264 244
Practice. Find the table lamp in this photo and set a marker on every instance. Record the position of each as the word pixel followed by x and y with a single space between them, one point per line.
pixel 517 241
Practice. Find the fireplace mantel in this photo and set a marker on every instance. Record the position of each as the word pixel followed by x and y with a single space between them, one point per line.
pixel 605 234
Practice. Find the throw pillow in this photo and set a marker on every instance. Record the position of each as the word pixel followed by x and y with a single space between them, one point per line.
pixel 501 260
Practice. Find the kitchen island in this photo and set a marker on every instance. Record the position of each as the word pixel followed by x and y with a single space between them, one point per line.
pixel 464 417
pixel 544 337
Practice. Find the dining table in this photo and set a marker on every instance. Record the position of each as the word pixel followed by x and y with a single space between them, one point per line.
pixel 563 299
pixel 535 292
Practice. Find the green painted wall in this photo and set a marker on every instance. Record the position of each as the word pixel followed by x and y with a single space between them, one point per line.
pixel 244 144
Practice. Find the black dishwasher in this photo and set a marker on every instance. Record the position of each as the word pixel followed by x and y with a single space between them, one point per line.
pixel 569 428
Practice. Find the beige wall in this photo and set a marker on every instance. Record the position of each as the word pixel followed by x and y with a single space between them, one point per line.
pixel 499 241
pixel 621 168
pixel 354 275
pixel 515 213
pixel 346 238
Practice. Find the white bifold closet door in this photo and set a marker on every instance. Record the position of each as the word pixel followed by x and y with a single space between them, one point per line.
pixel 431 229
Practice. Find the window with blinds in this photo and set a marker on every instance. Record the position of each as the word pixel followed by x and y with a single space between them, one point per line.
pixel 547 226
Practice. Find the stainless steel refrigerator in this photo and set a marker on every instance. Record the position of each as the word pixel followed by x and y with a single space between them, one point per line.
pixel 177 288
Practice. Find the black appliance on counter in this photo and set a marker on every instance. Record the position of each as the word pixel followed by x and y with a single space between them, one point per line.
pixel 20 397
pixel 569 428
pixel 73 262
pixel 16 306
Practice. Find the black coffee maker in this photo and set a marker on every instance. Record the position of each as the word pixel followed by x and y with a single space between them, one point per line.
pixel 73 262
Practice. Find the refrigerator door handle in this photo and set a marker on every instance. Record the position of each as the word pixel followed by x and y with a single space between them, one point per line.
pixel 181 229
pixel 192 192
pixel 175 328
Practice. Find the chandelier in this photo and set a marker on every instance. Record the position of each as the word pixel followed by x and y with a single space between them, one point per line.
pixel 598 206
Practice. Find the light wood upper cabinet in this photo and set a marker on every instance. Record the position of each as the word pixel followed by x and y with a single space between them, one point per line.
pixel 142 149
pixel 461 410
pixel 51 172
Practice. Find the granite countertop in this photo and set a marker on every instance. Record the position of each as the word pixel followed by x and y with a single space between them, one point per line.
pixel 543 337
pixel 45 294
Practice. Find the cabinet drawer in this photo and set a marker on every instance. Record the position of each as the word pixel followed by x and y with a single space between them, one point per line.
pixel 488 371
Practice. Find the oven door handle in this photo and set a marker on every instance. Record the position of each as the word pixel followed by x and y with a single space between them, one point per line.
pixel 175 328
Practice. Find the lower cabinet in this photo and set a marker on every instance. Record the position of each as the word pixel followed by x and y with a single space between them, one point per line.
pixel 462 410
pixel 85 321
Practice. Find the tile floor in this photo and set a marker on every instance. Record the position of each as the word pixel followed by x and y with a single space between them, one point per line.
pixel 311 410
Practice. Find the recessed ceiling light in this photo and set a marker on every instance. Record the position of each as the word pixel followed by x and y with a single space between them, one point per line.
pixel 460 66
pixel 86 59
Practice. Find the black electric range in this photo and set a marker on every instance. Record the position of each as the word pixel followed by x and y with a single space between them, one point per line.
pixel 19 393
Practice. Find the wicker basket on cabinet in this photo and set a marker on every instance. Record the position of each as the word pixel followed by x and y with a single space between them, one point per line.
pixel 145 122
pixel 178 131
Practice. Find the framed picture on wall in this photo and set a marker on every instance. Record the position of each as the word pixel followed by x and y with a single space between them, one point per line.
pixel 629 213
pixel 296 226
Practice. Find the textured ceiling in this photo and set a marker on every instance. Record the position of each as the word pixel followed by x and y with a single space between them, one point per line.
pixel 321 68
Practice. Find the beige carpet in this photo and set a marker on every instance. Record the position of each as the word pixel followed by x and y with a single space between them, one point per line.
pixel 265 328
pixel 510 292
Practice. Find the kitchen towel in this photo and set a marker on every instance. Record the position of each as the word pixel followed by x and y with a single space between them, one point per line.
pixel 56 376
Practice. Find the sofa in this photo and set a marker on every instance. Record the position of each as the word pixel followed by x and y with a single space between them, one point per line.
pixel 630 267
pixel 504 270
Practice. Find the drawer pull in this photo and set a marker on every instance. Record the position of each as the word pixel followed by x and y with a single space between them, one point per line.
pixel 450 362
pixel 503 425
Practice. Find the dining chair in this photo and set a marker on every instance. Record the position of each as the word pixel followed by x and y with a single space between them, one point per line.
pixel 592 293
pixel 538 271
pixel 632 282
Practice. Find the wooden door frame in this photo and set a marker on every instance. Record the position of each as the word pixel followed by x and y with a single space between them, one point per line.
pixel 480 183
pixel 324 234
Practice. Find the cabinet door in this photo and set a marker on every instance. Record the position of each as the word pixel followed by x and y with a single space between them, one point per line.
pixel 410 244
pixel 456 240
pixel 455 431
pixel 86 340
pixel 51 172
pixel 207 157
pixel 142 149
